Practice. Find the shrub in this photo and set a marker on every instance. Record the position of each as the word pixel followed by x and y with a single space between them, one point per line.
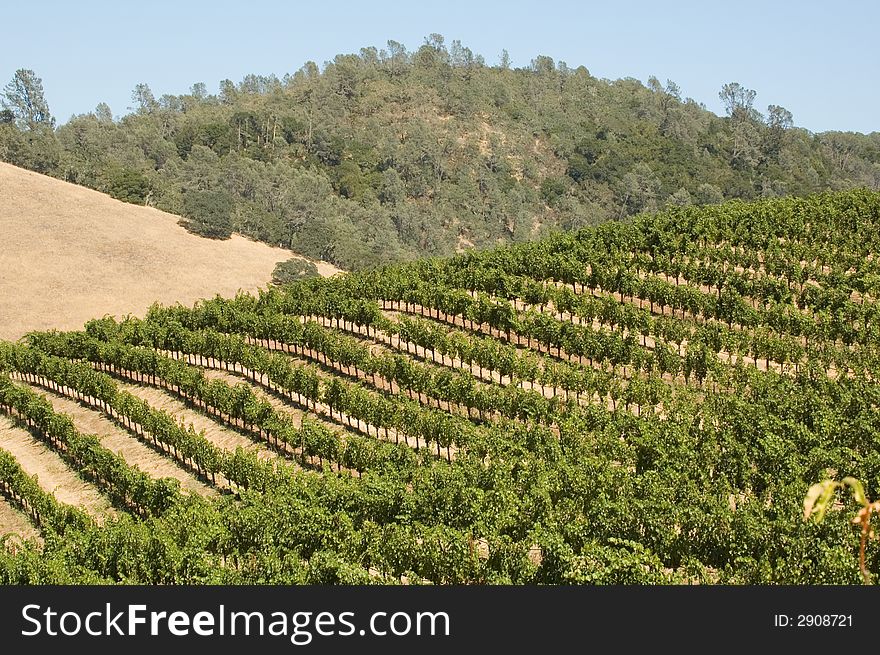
pixel 293 270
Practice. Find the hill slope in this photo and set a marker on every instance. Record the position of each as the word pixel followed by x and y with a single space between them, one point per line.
pixel 70 254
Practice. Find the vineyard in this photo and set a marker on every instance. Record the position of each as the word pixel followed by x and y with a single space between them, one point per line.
pixel 644 402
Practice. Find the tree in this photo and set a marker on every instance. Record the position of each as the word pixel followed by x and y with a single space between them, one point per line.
pixel 708 194
pixel 23 96
pixel 437 43
pixel 737 99
pixel 746 141
pixel 461 56
pixel 397 58
pixel 779 120
pixel 144 99
pixel 104 113
pixel 680 198
pixel 432 158
pixel 303 201
pixel 199 91
pixel 667 98
pixel 543 65
pixel 228 94
pixel 127 185
pixel 640 189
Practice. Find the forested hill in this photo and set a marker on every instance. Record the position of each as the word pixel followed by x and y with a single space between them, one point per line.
pixel 389 154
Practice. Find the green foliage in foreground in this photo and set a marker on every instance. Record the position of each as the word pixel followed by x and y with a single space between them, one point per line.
pixel 709 364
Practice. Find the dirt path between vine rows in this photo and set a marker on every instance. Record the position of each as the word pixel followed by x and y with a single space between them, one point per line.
pixel 53 474
pixel 118 440
pixel 218 435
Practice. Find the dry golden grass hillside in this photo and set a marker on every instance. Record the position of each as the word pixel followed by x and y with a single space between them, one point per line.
pixel 69 254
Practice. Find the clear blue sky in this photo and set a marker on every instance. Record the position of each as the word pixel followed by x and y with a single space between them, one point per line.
pixel 820 60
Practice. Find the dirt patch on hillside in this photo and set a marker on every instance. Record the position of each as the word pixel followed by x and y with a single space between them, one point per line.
pixel 69 254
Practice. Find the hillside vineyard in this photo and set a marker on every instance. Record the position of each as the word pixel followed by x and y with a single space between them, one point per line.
pixel 641 402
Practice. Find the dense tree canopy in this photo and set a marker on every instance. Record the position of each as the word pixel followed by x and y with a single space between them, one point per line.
pixel 387 154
